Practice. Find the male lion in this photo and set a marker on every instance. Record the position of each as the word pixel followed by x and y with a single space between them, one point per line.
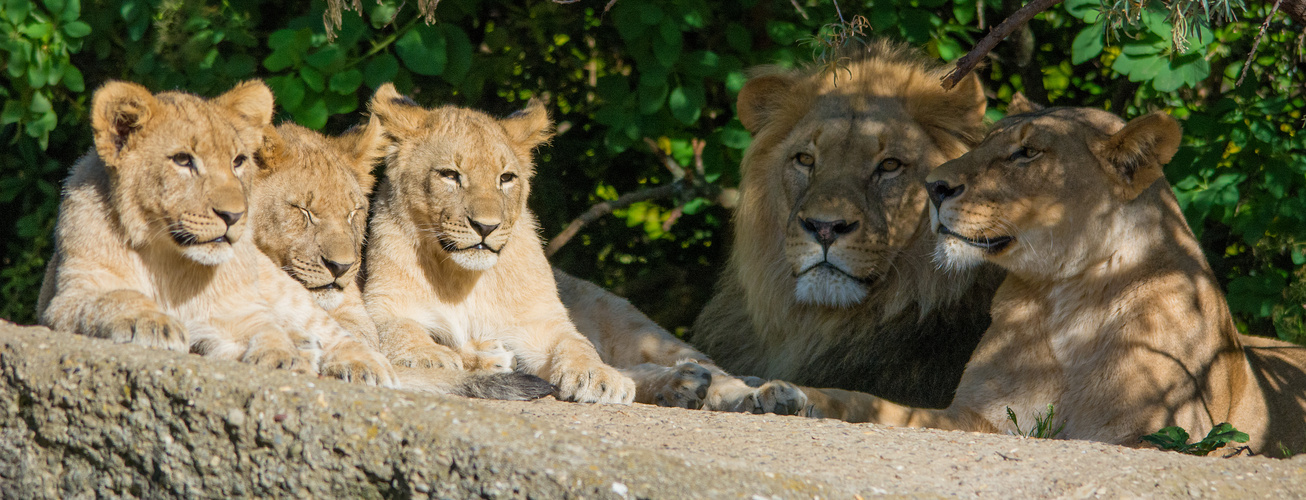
pixel 311 200
pixel 1108 311
pixel 829 282
pixel 152 244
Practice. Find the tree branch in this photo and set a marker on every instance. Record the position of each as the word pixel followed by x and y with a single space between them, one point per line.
pixel 968 62
pixel 605 208
pixel 1257 44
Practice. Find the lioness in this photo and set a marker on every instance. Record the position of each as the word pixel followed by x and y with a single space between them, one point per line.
pixel 829 282
pixel 1109 310
pixel 311 200
pixel 152 245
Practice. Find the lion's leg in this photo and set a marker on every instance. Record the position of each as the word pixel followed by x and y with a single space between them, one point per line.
pixel 124 316
pixel 406 343
pixel 684 385
pixel 851 406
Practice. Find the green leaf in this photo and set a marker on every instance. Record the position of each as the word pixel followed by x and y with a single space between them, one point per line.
pixel 313 78
pixel 328 59
pixel 338 104
pixel 459 50
pixel 1084 10
pixel 13 111
pixel 16 10
pixel 71 11
pixel 76 29
pixel 289 90
pixel 423 51
pixel 686 103
pixel 738 38
pixel 651 97
pixel 73 80
pixel 40 104
pixel 380 69
pixel 55 6
pixel 279 60
pixel 1087 44
pixel 36 29
pixel 1169 438
pixel 667 47
pixel 346 82
pixel 313 113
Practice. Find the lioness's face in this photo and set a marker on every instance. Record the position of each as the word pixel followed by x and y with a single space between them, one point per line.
pixel 181 164
pixel 311 197
pixel 462 176
pixel 852 186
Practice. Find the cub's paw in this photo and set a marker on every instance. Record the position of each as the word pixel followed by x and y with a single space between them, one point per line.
pixel 685 387
pixel 283 357
pixel 778 397
pixel 150 329
pixel 597 383
pixel 430 355
pixel 491 356
pixel 354 362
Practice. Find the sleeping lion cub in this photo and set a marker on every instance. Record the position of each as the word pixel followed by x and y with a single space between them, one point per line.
pixel 1109 310
pixel 153 245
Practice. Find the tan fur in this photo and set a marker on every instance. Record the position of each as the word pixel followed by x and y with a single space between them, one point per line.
pixel 840 155
pixel 1109 310
pixel 455 258
pixel 143 253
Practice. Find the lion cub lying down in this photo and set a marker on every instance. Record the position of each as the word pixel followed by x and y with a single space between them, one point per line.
pixel 153 245
pixel 1109 310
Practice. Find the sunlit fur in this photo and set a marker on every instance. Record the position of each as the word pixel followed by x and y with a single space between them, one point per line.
pixel 872 312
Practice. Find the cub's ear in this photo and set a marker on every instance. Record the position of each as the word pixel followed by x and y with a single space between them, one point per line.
pixel 1021 104
pixel 399 114
pixel 528 127
pixel 363 145
pixel 762 96
pixel 119 110
pixel 1136 154
pixel 269 155
pixel 251 100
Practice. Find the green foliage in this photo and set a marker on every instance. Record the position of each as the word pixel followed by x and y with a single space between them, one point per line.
pixel 666 72
pixel 1176 439
pixel 1043 424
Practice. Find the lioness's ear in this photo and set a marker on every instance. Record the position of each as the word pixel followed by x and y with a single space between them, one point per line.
pixel 399 114
pixel 761 98
pixel 1137 153
pixel 251 100
pixel 1020 105
pixel 118 110
pixel 528 127
pixel 364 145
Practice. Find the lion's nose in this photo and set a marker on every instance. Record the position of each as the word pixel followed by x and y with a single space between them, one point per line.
pixel 826 232
pixel 337 268
pixel 482 229
pixel 231 218
pixel 940 190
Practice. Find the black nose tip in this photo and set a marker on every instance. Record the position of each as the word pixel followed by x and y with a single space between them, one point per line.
pixel 229 217
pixel 337 268
pixel 940 190
pixel 826 232
pixel 482 229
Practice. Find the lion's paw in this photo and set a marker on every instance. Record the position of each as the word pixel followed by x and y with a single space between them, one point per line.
pixel 150 329
pixel 738 395
pixel 491 356
pixel 283 357
pixel 686 387
pixel 598 383
pixel 429 356
pixel 353 362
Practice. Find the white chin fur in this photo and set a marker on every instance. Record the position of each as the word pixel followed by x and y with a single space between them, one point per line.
pixel 952 254
pixel 328 299
pixel 827 288
pixel 211 254
pixel 475 260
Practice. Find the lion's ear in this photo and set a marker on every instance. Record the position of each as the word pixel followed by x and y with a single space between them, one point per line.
pixel 1021 105
pixel 761 98
pixel 528 127
pixel 399 114
pixel 118 110
pixel 958 113
pixel 1137 153
pixel 364 145
pixel 251 100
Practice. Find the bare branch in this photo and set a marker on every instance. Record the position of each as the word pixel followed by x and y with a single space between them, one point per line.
pixel 1257 44
pixel 799 8
pixel 605 208
pixel 968 62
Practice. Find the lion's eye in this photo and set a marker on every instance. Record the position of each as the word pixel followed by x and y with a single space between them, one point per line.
pixel 451 175
pixel 805 159
pixel 507 177
pixel 889 165
pixel 1024 154
pixel 184 160
pixel 238 162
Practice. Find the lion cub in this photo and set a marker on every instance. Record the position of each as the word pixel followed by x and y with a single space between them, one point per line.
pixel 455 260
pixel 153 248
pixel 1109 310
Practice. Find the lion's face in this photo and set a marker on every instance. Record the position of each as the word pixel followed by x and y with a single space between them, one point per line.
pixel 311 204
pixel 463 176
pixel 843 163
pixel 181 164
pixel 1044 180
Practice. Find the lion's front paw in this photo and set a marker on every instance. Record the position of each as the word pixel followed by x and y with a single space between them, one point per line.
pixel 597 383
pixel 685 387
pixel 430 355
pixel 280 356
pixel 775 396
pixel 354 362
pixel 491 356
pixel 150 329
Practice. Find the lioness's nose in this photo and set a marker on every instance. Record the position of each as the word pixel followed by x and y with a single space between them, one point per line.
pixel 940 190
pixel 482 228
pixel 826 232
pixel 337 268
pixel 231 218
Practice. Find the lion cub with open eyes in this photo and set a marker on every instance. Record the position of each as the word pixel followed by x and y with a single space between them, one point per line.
pixel 454 257
pixel 153 245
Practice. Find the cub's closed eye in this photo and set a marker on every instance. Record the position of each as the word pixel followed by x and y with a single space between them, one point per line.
pixel 805 159
pixel 507 177
pixel 1024 154
pixel 184 160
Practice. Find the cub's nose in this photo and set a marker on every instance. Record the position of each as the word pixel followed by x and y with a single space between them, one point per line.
pixel 826 232
pixel 940 190
pixel 231 218
pixel 337 268
pixel 482 229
